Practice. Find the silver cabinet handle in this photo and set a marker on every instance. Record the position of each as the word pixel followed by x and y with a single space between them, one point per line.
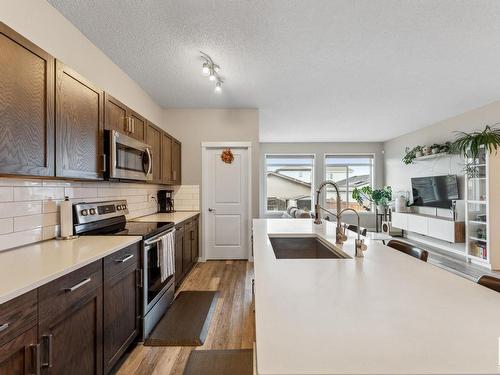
pixel 211 210
pixel 79 285
pixel 36 364
pixel 150 163
pixel 104 162
pixel 128 257
pixel 48 339
pixel 4 326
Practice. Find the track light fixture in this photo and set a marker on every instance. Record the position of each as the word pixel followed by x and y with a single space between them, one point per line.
pixel 212 70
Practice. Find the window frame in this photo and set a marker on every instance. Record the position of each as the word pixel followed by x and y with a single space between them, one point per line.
pixel 371 155
pixel 277 213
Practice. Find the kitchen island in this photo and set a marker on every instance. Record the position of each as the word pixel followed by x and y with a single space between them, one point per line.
pixel 386 313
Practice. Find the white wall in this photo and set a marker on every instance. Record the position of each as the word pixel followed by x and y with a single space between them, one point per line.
pixel 194 126
pixel 319 150
pixel 398 175
pixel 42 24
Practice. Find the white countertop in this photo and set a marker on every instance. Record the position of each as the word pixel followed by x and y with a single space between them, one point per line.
pixel 175 217
pixel 26 268
pixel 386 313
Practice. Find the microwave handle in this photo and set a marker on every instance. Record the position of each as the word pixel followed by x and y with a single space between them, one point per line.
pixel 150 161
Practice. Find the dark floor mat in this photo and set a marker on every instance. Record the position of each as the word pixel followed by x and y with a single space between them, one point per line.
pixel 220 362
pixel 186 322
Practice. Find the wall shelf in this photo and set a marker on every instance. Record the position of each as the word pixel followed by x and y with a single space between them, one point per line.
pixel 432 156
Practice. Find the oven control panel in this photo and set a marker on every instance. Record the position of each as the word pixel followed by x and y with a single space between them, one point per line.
pixel 89 212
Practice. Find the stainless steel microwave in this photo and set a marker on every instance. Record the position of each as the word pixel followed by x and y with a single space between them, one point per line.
pixel 128 158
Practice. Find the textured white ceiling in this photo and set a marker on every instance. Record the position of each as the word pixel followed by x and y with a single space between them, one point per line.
pixel 317 70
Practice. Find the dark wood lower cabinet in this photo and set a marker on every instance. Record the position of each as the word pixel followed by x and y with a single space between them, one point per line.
pixel 186 248
pixel 121 314
pixel 71 342
pixel 179 252
pixel 20 355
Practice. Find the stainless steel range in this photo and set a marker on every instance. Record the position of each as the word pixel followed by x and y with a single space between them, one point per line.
pixel 108 218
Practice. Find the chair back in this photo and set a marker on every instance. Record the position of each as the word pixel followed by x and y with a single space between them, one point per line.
pixel 409 249
pixel 490 282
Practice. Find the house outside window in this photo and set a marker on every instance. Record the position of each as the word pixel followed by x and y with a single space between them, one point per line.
pixel 289 182
pixel 348 172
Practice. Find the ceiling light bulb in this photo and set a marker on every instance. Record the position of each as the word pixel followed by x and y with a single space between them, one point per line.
pixel 205 70
pixel 218 88
pixel 212 75
pixel 216 68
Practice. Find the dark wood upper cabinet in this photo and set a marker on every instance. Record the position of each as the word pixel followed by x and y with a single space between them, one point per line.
pixel 116 115
pixel 166 159
pixel 176 162
pixel 154 139
pixel 138 124
pixel 26 106
pixel 123 119
pixel 79 126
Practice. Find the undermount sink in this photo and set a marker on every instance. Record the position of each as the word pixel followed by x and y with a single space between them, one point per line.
pixel 303 248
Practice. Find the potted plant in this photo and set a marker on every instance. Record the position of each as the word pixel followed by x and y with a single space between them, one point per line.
pixel 435 148
pixel 469 144
pixel 412 154
pixel 378 197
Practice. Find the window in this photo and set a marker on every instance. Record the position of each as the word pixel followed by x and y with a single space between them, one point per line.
pixel 349 172
pixel 289 181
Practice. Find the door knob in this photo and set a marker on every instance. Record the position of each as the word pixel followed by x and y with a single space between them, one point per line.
pixel 211 210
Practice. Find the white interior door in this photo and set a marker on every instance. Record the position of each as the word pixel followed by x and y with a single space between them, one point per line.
pixel 226 201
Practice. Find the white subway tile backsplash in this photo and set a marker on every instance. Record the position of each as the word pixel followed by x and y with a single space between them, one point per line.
pixel 6 225
pixel 15 239
pixel 35 221
pixel 19 182
pixel 29 209
pixel 6 193
pixel 51 206
pixel 13 209
pixel 80 192
pixel 51 232
pixel 37 193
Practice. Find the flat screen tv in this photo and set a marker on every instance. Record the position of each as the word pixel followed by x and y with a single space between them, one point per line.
pixel 434 191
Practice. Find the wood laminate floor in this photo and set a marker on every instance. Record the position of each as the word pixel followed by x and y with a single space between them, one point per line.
pixel 232 326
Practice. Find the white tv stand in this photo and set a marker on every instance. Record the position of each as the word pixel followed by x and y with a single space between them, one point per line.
pixel 443 228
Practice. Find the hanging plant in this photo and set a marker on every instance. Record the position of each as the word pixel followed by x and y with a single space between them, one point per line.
pixel 411 154
pixel 227 156
pixel 469 144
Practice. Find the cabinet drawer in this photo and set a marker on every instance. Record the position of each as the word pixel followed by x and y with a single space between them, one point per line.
pixel 17 315
pixel 400 220
pixel 122 259
pixel 69 290
pixel 417 224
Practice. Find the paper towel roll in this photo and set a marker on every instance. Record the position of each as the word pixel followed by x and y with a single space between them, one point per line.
pixel 66 218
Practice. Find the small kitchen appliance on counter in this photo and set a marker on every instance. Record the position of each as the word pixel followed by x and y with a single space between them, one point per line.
pixel 108 218
pixel 165 201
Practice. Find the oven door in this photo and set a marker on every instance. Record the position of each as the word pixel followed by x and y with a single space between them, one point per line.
pixel 154 288
pixel 129 158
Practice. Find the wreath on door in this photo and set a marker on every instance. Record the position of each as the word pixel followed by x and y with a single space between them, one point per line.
pixel 227 156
